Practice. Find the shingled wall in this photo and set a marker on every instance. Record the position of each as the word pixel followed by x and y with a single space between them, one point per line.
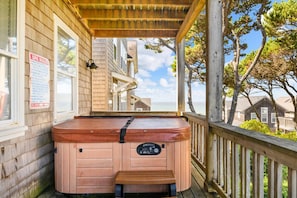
pixel 26 163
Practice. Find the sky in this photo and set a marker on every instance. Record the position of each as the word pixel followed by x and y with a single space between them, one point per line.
pixel 156 79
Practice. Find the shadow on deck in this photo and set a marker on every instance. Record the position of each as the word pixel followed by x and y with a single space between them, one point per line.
pixel 195 191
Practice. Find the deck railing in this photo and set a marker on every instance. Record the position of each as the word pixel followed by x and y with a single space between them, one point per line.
pixel 245 163
pixel 287 124
pixel 198 138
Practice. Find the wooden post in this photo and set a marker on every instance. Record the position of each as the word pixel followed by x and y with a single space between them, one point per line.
pixel 180 83
pixel 215 64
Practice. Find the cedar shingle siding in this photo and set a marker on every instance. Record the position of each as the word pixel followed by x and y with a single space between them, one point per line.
pixel 26 163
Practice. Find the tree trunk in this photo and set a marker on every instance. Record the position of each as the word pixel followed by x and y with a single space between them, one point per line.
pixel 189 83
pixel 233 104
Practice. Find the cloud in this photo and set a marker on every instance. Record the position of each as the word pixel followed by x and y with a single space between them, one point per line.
pixel 151 61
pixel 143 73
pixel 164 82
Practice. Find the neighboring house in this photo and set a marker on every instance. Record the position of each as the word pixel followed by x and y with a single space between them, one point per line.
pixel 261 106
pixel 142 104
pixel 287 122
pixel 113 81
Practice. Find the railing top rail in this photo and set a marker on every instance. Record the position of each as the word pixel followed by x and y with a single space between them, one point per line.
pixel 281 150
pixel 201 119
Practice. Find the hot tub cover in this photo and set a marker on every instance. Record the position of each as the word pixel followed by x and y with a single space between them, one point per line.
pixel 122 129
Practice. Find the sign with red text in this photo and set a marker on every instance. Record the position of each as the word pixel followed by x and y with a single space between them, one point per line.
pixel 39 81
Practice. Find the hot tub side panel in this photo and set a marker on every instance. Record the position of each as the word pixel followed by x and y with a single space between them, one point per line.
pixel 174 156
pixel 86 167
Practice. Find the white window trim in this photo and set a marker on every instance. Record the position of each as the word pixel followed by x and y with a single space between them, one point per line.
pixel 16 126
pixel 273 116
pixel 267 117
pixel 58 118
pixel 253 116
pixel 115 51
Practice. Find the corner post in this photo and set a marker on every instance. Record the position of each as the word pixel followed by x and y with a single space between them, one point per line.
pixel 180 71
pixel 215 66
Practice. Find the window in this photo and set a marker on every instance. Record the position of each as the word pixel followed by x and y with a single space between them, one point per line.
pixel 12 60
pixel 115 49
pixel 66 64
pixel 253 116
pixel 264 114
pixel 123 57
pixel 273 117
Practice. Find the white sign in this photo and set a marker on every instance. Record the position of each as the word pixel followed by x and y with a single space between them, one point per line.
pixel 39 82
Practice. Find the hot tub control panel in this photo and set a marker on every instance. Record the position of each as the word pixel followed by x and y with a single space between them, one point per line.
pixel 148 148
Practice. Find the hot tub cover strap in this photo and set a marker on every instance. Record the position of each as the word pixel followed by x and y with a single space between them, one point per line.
pixel 124 128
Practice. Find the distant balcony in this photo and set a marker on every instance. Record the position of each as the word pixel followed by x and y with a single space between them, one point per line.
pixel 287 124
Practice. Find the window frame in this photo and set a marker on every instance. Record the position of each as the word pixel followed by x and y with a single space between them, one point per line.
pixel 273 117
pixel 15 126
pixel 265 113
pixel 253 116
pixel 115 48
pixel 60 117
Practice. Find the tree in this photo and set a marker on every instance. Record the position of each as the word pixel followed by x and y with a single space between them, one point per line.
pixel 195 53
pixel 240 18
pixel 244 18
pixel 281 25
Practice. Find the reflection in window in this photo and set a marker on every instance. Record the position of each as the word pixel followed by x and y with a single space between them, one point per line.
pixel 66 53
pixel 8 24
pixel 64 93
pixel 66 60
pixel 5 88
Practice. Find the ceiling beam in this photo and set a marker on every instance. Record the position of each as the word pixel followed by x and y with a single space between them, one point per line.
pixel 192 15
pixel 132 2
pixel 135 33
pixel 133 25
pixel 132 14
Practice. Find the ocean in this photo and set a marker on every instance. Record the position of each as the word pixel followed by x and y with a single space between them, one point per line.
pixel 172 106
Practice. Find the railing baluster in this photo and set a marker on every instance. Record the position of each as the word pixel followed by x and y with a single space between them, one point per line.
pixel 260 175
pixel 270 178
pixel 228 167
pixel 235 170
pixel 292 183
pixel 278 179
pixel 220 161
pixel 247 172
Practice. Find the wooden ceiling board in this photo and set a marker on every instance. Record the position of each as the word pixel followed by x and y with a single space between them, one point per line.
pixel 137 18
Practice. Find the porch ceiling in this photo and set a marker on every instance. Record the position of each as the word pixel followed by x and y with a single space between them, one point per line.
pixel 137 18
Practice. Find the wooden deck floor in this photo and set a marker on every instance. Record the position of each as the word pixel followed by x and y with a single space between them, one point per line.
pixel 196 191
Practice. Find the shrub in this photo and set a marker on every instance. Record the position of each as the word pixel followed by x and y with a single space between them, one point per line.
pixel 255 125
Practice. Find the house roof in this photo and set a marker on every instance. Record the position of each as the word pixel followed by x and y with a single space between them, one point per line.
pixel 137 18
pixel 286 103
pixel 145 101
pixel 243 103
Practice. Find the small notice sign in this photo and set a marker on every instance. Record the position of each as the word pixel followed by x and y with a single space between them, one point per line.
pixel 39 81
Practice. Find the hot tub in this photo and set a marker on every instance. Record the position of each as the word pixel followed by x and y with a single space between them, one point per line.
pixel 89 151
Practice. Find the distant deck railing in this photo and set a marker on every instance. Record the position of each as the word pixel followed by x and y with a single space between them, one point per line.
pixel 243 163
pixel 286 124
